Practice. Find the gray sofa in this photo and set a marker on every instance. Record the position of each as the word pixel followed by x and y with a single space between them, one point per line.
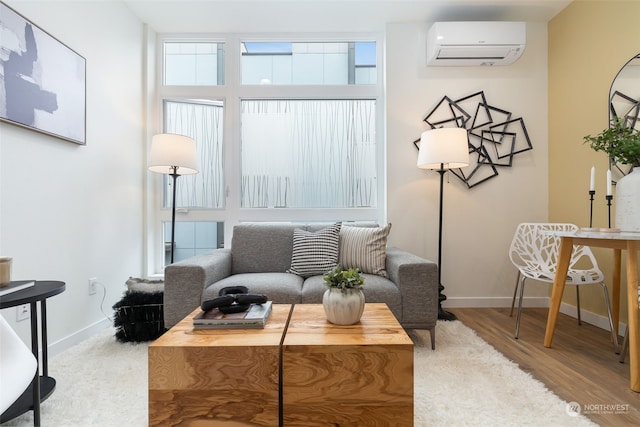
pixel 261 254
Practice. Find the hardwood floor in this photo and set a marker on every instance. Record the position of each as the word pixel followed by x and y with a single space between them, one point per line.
pixel 580 367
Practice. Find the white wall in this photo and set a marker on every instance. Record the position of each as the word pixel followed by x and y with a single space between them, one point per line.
pixel 478 222
pixel 71 212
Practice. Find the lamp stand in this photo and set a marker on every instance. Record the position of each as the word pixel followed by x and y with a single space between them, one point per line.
pixel 442 314
pixel 175 176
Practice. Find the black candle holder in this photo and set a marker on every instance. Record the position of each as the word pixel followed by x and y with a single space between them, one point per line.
pixel 591 194
pixel 609 229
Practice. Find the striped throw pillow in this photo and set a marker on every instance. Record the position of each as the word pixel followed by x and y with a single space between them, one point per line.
pixel 315 253
pixel 364 248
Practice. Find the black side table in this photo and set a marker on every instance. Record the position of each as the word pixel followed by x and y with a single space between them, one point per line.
pixel 42 385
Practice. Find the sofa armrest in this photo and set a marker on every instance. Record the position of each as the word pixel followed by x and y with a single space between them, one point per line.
pixel 417 279
pixel 184 282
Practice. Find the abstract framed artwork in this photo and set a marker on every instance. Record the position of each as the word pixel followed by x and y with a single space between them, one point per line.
pixel 42 80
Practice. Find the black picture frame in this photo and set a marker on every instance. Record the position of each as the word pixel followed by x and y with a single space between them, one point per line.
pixel 42 80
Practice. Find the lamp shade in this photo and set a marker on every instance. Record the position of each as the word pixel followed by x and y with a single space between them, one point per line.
pixel 173 153
pixel 443 147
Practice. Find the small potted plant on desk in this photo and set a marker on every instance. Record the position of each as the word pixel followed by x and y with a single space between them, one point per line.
pixel 343 301
pixel 622 144
pixel 619 141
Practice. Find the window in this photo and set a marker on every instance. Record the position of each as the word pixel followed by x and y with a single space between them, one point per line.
pixel 285 63
pixel 308 153
pixel 193 64
pixel 202 121
pixel 365 63
pixel 192 238
pixel 286 130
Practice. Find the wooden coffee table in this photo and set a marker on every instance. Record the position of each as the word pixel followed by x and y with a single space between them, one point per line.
pixel 300 370
pixel 346 375
pixel 217 377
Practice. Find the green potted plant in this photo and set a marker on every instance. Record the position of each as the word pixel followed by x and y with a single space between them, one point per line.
pixel 622 144
pixel 343 279
pixel 343 301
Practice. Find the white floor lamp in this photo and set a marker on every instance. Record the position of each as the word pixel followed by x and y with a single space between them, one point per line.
pixel 173 155
pixel 443 149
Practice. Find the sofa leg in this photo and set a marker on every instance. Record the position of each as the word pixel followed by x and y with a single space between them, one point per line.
pixel 432 333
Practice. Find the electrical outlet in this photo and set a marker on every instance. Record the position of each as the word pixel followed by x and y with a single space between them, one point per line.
pixel 93 282
pixel 23 312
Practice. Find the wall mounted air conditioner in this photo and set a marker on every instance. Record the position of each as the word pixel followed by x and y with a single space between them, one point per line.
pixel 475 43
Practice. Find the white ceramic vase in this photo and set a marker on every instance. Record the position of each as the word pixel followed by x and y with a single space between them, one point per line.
pixel 343 308
pixel 628 202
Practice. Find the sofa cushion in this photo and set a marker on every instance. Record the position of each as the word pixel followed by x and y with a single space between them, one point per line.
pixel 313 289
pixel 261 247
pixel 364 248
pixel 315 253
pixel 281 288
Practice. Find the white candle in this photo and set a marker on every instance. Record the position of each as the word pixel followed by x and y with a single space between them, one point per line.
pixel 592 183
pixel 609 182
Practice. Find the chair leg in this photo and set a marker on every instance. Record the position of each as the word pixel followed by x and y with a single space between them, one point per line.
pixel 519 307
pixel 612 329
pixel 625 344
pixel 515 292
pixel 578 304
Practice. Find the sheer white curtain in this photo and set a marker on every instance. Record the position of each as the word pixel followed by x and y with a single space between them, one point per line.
pixel 308 153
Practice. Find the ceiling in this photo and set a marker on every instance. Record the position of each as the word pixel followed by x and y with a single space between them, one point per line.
pixel 224 16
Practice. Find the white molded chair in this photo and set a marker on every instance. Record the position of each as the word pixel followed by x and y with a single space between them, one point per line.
pixel 534 252
pixel 17 366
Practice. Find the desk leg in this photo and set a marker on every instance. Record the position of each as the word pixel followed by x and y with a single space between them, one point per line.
pixel 564 257
pixel 35 351
pixel 615 291
pixel 632 297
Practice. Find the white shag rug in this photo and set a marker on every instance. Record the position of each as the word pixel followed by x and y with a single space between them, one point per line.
pixel 464 382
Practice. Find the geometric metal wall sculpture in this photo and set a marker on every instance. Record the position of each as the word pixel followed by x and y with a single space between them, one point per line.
pixel 494 137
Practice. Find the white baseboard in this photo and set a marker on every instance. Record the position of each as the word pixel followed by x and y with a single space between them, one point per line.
pixel 77 337
pixel 589 317
pixel 488 302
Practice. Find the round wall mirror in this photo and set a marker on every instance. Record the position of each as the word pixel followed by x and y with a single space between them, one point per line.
pixel 624 103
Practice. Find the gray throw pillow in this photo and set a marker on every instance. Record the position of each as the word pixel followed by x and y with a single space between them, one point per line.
pixel 315 253
pixel 364 248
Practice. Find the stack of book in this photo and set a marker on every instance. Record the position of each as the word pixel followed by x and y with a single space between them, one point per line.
pixel 254 318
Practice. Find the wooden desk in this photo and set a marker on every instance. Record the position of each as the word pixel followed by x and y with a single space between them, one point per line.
pixel 617 242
